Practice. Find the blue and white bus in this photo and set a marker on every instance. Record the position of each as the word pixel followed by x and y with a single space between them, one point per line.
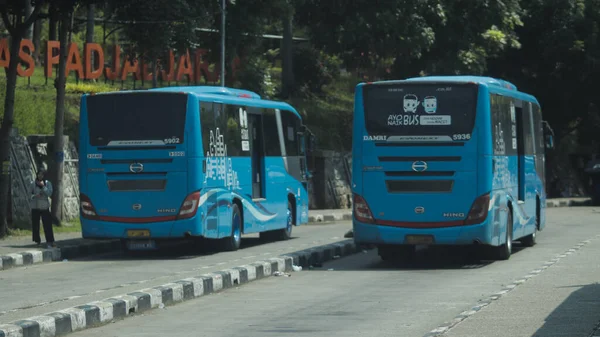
pixel 188 162
pixel 447 160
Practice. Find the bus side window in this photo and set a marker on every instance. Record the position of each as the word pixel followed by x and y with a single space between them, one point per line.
pixel 270 134
pixel 232 130
pixel 207 124
pixel 290 124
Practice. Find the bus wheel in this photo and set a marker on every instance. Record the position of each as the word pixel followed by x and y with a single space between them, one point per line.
pixel 504 251
pixel 531 239
pixel 232 243
pixel 286 233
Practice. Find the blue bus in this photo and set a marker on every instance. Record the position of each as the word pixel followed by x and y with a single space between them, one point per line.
pixel 447 160
pixel 191 162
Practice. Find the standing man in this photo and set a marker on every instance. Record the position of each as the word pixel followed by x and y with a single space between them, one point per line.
pixel 41 190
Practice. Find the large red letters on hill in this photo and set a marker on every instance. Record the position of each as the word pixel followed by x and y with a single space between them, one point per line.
pixel 190 65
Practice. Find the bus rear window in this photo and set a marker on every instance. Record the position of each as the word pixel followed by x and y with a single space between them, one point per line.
pixel 446 111
pixel 136 118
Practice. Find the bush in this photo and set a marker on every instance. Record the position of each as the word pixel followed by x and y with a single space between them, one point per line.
pixel 255 76
pixel 314 69
pixel 88 88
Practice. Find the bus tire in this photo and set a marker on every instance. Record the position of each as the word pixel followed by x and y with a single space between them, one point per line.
pixel 531 239
pixel 233 242
pixel 286 233
pixel 504 251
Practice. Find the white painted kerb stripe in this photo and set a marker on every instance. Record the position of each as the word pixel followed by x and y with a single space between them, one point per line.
pixel 77 318
pixel 38 256
pixel 11 330
pixel 18 259
pixel 47 325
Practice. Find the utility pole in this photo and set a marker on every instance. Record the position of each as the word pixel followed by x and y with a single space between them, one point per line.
pixel 223 5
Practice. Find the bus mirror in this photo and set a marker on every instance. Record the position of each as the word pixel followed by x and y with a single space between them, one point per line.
pixel 302 141
pixel 549 142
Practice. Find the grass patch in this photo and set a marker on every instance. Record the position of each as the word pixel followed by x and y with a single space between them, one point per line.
pixel 72 226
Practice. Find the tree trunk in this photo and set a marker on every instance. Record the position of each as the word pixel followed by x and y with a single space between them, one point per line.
pixel 60 83
pixel 53 21
pixel 287 73
pixel 37 38
pixel 89 34
pixel 5 130
pixel 154 74
pixel 29 29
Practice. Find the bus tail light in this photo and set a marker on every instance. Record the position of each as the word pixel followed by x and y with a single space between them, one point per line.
pixel 362 212
pixel 189 207
pixel 87 208
pixel 479 210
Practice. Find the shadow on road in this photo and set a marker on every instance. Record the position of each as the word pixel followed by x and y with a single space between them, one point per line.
pixel 577 316
pixel 177 250
pixel 426 258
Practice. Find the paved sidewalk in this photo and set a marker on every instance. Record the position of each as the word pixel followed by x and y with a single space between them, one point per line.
pixel 19 252
pixel 561 301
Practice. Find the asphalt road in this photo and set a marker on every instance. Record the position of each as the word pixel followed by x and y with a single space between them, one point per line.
pixel 362 296
pixel 39 289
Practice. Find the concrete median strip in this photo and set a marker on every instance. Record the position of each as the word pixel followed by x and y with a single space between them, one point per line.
pixel 102 312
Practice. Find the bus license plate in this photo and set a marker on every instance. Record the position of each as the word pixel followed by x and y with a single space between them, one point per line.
pixel 138 233
pixel 419 239
pixel 141 245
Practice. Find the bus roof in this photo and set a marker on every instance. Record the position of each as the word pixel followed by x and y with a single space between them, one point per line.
pixel 465 78
pixel 222 94
pixel 209 89
pixel 495 84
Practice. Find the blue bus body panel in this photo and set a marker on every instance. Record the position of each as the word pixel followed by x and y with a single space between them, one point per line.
pixel 182 167
pixel 476 171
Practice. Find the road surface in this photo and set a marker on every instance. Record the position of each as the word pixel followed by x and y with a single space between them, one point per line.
pixel 44 288
pixel 362 296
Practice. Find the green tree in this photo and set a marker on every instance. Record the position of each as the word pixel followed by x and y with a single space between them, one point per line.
pixel 17 26
pixel 152 26
pixel 245 24
pixel 558 60
pixel 365 34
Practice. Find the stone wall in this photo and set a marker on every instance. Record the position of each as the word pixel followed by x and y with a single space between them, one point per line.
pixel 22 171
pixel 29 154
pixel 330 185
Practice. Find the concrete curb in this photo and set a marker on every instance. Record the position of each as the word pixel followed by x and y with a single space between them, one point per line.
pixel 102 312
pixel 30 257
pixel 338 216
pixel 568 202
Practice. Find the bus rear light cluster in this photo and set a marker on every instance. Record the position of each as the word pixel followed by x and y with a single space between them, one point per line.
pixel 189 207
pixel 361 211
pixel 87 208
pixel 479 210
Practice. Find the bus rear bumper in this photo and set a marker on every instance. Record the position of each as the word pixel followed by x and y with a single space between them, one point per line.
pixel 371 234
pixel 94 229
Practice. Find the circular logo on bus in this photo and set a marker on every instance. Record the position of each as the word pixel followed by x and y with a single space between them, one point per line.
pixel 136 167
pixel 136 207
pixel 419 166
